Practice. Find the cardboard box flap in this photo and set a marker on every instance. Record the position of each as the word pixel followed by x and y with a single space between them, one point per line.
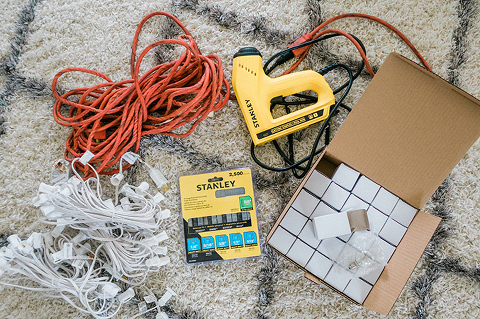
pixel 388 287
pixel 408 130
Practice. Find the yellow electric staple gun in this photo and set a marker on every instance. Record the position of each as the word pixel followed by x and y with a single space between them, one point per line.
pixel 254 90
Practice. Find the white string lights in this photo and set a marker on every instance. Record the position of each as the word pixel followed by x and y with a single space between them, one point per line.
pixel 113 242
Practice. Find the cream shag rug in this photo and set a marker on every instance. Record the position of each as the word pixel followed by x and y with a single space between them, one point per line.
pixel 39 38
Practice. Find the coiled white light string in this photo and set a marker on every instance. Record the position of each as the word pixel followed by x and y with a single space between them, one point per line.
pixel 120 240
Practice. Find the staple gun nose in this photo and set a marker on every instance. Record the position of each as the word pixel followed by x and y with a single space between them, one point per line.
pixel 255 91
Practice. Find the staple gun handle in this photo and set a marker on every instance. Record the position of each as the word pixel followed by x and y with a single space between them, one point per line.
pixel 298 82
pixel 254 90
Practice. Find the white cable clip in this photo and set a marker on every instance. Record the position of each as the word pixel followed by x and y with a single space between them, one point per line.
pixel 159 250
pixel 57 231
pixel 14 240
pixel 161 315
pixel 86 157
pixel 157 261
pixel 130 157
pixel 45 188
pixel 110 290
pixel 35 240
pixel 158 198
pixel 6 252
pixel 166 297
pixel 155 240
pixel 25 248
pixel 126 295
pixel 142 188
pixel 164 214
pixel 79 238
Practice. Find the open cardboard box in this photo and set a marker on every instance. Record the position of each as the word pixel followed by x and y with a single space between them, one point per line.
pixel 406 133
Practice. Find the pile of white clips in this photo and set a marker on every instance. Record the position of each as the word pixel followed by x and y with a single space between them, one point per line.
pixel 96 247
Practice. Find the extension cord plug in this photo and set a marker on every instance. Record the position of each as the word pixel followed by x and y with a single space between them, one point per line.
pixel 158 178
pixel 4 263
pixel 65 253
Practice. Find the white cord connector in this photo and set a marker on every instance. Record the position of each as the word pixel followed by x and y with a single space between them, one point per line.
pixel 126 295
pixel 157 262
pixel 110 290
pixel 166 297
pixel 118 239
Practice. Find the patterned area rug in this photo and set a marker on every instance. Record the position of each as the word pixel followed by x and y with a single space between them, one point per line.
pixel 39 38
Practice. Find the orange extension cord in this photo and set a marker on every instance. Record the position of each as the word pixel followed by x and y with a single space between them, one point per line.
pixel 110 118
pixel 316 33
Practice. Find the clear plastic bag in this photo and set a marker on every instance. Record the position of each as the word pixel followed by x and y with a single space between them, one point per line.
pixel 362 254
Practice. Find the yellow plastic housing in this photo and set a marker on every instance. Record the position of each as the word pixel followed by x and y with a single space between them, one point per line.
pixel 254 91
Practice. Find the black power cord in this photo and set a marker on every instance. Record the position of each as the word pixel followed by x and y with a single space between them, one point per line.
pixel 281 57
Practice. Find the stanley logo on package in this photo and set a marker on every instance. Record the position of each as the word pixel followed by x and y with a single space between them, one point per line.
pixel 219 216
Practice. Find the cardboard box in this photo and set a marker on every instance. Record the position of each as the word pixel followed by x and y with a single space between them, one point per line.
pixel 406 133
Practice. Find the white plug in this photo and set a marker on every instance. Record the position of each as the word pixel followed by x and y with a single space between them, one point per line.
pixel 166 297
pixel 158 178
pixel 84 249
pixel 40 199
pixel 74 180
pixel 155 240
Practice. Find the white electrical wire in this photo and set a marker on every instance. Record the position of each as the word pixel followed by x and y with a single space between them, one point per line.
pixel 114 242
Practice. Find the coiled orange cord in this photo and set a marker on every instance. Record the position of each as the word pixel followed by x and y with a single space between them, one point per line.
pixel 110 118
pixel 316 33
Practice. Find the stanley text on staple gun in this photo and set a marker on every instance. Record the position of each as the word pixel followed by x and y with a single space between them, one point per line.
pixel 255 90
